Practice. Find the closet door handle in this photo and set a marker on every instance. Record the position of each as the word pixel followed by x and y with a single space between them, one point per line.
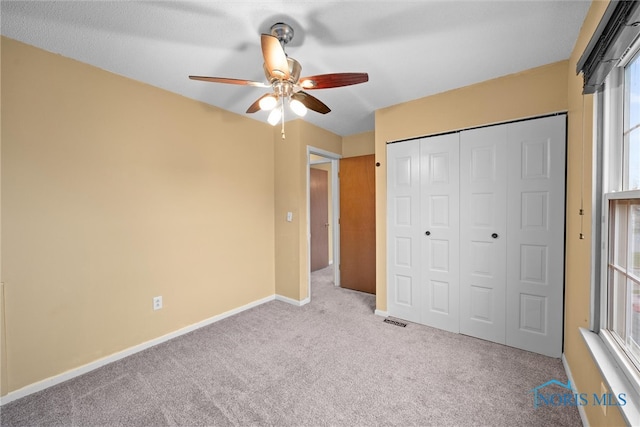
pixel 428 233
pixel 494 235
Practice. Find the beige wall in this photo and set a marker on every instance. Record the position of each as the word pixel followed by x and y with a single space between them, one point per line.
pixel 360 144
pixel 292 263
pixel 530 93
pixel 114 192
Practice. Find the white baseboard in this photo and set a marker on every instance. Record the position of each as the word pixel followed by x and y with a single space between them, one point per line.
pixel 65 376
pixel 583 414
pixel 293 301
pixel 381 313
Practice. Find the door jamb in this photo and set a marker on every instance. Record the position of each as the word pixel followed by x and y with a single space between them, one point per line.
pixel 335 212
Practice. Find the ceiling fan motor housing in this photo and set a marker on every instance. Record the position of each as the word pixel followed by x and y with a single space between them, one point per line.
pixel 282 32
pixel 294 72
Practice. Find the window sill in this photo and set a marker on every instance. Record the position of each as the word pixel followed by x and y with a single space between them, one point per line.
pixel 614 374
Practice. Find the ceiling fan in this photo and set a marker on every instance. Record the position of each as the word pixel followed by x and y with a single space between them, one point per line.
pixel 283 76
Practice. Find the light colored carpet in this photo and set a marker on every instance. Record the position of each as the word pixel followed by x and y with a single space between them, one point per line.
pixel 331 362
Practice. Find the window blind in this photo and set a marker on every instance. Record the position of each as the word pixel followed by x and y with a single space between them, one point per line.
pixel 617 31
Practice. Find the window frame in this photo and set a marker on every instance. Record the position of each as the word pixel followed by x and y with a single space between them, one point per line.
pixel 628 367
pixel 619 371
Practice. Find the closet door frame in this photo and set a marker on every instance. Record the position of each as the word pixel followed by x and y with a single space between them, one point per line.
pixel 512 197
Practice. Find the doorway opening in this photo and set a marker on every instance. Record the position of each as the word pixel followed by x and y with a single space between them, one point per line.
pixel 329 162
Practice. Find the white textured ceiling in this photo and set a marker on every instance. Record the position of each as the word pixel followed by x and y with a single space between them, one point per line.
pixel 410 49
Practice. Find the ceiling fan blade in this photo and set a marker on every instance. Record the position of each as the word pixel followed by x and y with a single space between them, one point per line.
pixel 274 57
pixel 326 81
pixel 311 102
pixel 256 105
pixel 229 81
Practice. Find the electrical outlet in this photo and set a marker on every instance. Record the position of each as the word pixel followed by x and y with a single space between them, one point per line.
pixel 157 303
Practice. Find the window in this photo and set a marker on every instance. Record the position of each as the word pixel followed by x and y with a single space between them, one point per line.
pixel 631 130
pixel 620 181
pixel 610 67
pixel 623 275
pixel 622 214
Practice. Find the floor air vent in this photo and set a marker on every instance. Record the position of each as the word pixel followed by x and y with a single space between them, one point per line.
pixel 395 322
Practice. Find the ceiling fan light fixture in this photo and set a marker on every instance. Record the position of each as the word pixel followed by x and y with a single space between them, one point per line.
pixel 268 102
pixel 308 84
pixel 274 117
pixel 282 75
pixel 298 107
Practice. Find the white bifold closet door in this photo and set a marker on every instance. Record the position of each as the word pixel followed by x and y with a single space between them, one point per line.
pixel 512 192
pixel 403 231
pixel 440 226
pixel 476 232
pixel 483 249
pixel 423 230
pixel 536 234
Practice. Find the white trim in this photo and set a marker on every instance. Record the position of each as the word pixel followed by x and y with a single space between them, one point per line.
pixel 293 301
pixel 629 54
pixel 613 375
pixel 381 313
pixel 335 191
pixel 319 162
pixel 622 361
pixel 627 194
pixel 597 216
pixel 76 372
pixel 583 414
pixel 324 153
pixel 498 123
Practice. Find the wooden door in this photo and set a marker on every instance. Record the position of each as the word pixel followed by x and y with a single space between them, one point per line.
pixel 358 224
pixel 319 217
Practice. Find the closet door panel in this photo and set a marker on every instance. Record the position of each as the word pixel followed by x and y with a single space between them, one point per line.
pixel 536 223
pixel 440 223
pixel 482 232
pixel 403 230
